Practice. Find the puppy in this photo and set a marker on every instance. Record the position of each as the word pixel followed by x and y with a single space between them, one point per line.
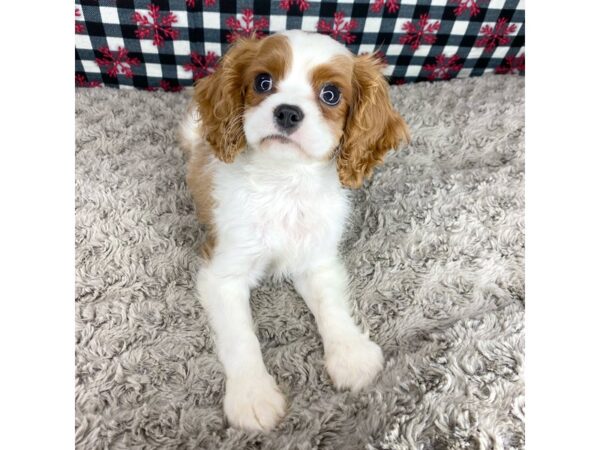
pixel 272 138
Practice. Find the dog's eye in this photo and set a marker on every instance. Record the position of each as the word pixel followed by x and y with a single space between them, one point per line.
pixel 330 95
pixel 263 82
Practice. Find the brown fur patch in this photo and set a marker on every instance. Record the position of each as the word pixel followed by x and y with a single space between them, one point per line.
pixel 199 180
pixel 373 126
pixel 220 101
pixel 274 56
pixel 339 73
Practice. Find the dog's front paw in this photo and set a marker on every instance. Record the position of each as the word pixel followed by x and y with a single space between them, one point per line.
pixel 254 403
pixel 354 362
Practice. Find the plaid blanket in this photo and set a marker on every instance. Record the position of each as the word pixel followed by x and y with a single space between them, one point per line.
pixel 162 44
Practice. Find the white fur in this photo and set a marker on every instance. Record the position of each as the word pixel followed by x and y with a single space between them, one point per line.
pixel 280 209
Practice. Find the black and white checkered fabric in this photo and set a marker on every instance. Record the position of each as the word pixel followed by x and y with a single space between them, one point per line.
pixel 167 44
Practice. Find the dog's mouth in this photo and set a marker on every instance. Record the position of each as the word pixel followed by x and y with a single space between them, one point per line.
pixel 278 138
pixel 281 139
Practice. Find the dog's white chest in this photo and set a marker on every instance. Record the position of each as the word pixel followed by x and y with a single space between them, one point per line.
pixel 284 215
pixel 287 215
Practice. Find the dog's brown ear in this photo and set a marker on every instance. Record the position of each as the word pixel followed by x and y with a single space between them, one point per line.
pixel 373 126
pixel 220 101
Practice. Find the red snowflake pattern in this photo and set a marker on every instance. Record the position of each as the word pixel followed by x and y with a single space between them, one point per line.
pixel 79 28
pixel 81 81
pixel 202 66
pixel 464 5
pixel 303 5
pixel 400 82
pixel 192 3
pixel 495 36
pixel 249 26
pixel 120 64
pixel 167 87
pixel 443 67
pixel 339 28
pixel 156 26
pixel 391 5
pixel 514 65
pixel 422 31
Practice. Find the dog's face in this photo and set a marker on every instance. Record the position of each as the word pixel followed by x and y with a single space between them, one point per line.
pixel 304 93
pixel 300 96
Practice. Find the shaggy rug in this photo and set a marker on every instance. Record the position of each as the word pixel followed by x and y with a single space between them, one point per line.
pixel 435 255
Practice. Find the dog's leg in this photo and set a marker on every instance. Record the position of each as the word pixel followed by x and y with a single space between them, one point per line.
pixel 252 399
pixel 351 358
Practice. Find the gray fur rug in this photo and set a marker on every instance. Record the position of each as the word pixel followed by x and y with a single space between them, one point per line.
pixel 435 254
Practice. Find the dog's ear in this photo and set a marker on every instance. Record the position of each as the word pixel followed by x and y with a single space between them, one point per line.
pixel 220 101
pixel 373 126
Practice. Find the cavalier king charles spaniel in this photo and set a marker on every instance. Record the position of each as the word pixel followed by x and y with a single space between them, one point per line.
pixel 272 138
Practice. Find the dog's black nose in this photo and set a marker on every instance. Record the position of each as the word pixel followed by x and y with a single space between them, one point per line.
pixel 288 117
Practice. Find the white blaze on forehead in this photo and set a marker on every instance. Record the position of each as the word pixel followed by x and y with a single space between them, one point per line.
pixel 310 50
pixel 314 48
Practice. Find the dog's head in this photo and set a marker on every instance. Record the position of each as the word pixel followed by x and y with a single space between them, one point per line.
pixel 305 93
